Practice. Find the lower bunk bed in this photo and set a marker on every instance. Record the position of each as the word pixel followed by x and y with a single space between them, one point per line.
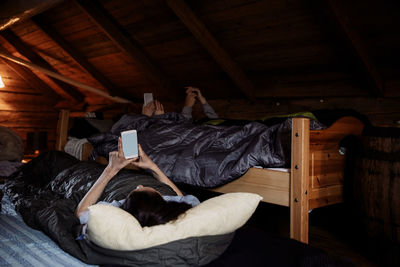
pixel 21 245
pixel 45 192
pixel 314 179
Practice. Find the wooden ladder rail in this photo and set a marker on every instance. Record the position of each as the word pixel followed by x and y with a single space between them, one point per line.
pixel 62 129
pixel 299 179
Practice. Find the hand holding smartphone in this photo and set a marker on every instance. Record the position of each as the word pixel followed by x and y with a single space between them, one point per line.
pixel 130 144
pixel 147 97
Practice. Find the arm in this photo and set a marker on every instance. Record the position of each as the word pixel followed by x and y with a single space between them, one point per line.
pixel 116 162
pixel 189 102
pixel 145 162
pixel 207 109
pixel 187 112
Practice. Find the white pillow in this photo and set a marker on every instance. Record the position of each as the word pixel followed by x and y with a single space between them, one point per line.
pixel 114 228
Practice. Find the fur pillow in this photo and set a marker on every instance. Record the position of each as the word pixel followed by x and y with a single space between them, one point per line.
pixel 114 228
pixel 11 145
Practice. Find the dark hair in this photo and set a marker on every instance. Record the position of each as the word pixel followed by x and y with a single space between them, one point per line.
pixel 149 208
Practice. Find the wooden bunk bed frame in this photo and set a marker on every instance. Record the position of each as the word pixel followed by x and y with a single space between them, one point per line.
pixel 314 180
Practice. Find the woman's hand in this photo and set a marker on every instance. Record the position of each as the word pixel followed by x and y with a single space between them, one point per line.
pixel 144 162
pixel 148 109
pixel 117 160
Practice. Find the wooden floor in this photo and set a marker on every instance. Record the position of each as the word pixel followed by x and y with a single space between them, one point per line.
pixel 326 231
pixel 331 229
pixel 332 235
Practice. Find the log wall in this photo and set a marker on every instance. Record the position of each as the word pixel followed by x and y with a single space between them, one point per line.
pixel 25 113
pixel 379 111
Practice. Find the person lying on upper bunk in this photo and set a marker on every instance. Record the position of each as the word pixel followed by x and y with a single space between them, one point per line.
pixel 193 94
pixel 146 204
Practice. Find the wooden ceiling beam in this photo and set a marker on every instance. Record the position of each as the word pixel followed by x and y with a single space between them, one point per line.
pixel 40 21
pixel 66 91
pixel 12 11
pixel 30 77
pixel 102 19
pixel 203 35
pixel 354 42
pixel 63 78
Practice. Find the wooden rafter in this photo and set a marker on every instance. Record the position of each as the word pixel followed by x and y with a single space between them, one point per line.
pixel 356 45
pixel 203 35
pixel 74 54
pixel 68 92
pixel 100 17
pixel 16 11
pixel 60 77
pixel 29 77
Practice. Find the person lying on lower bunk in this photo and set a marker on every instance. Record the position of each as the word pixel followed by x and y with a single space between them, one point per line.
pixel 146 204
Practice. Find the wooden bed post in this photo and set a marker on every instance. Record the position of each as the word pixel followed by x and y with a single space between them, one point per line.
pixel 62 129
pixel 299 179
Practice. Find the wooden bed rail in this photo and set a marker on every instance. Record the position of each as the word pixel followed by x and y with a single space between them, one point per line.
pixel 315 178
pixel 288 189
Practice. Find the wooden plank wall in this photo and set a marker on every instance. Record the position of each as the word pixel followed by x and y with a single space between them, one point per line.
pixel 24 113
pixel 379 111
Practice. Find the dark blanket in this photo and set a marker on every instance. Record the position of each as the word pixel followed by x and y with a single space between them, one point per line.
pixel 47 190
pixel 203 155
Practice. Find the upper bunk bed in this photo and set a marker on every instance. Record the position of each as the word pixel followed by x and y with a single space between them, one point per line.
pixel 314 179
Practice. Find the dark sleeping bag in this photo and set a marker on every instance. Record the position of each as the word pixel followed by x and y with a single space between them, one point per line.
pixel 203 155
pixel 47 190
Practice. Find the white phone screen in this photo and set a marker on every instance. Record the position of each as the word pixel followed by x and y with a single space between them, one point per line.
pixel 129 144
pixel 148 97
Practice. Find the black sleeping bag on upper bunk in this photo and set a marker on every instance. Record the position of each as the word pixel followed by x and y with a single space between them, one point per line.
pixel 203 155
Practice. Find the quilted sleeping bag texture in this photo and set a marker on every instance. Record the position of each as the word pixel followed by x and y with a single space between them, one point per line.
pixel 47 190
pixel 202 155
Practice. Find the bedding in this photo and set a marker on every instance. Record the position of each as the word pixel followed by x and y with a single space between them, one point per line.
pixel 47 190
pixel 8 167
pixel 203 155
pixel 21 245
pixel 114 228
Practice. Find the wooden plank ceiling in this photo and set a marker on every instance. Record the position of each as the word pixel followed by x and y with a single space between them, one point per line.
pixel 231 49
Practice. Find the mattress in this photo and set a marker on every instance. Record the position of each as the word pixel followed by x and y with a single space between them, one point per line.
pixel 21 245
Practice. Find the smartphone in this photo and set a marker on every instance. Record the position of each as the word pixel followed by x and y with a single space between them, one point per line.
pixel 148 97
pixel 130 144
